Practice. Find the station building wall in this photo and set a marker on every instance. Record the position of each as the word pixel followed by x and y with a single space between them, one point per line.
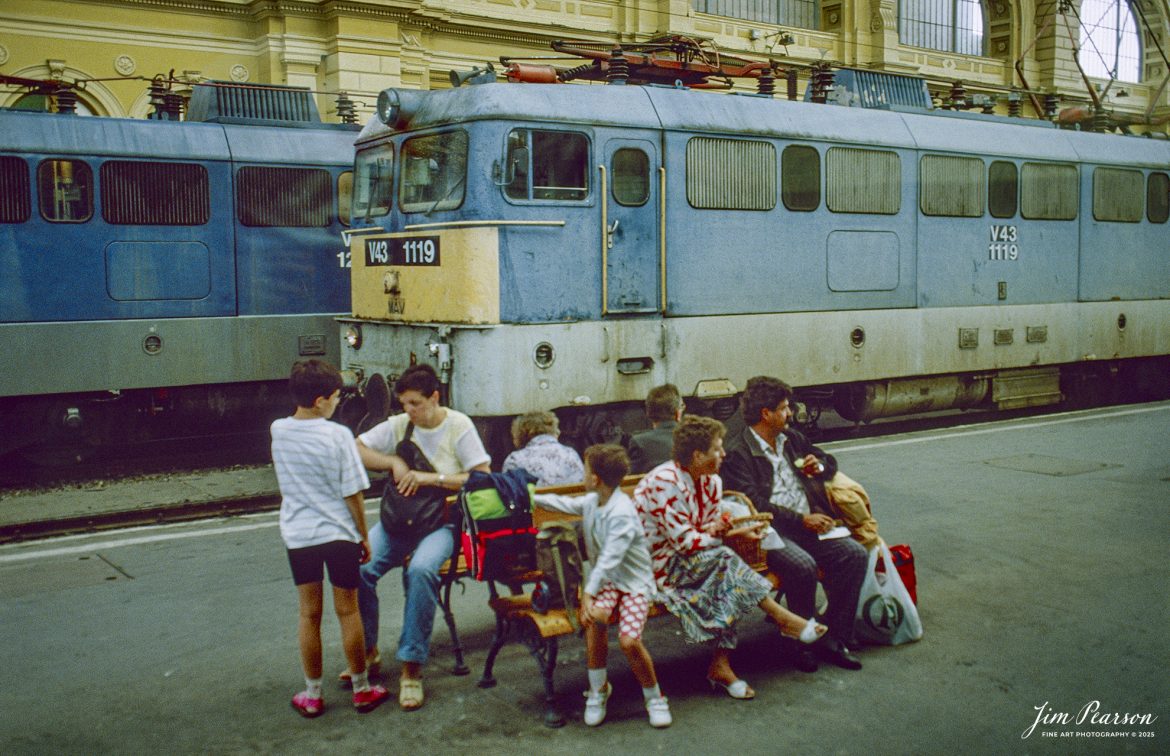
pixel 364 46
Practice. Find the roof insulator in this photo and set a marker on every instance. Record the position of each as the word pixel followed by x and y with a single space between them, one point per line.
pixel 619 68
pixel 66 100
pixel 346 111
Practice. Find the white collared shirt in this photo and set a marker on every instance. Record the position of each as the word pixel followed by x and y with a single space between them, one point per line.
pixel 786 489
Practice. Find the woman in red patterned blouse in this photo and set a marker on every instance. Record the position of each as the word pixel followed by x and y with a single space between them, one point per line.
pixel 702 582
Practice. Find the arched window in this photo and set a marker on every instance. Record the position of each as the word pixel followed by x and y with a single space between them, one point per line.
pixel 803 14
pixel 1111 47
pixel 45 102
pixel 949 25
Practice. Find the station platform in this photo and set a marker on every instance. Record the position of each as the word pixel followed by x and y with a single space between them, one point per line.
pixel 161 497
pixel 1041 568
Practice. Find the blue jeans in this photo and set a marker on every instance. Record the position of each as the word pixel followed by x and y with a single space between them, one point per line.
pixel 420 581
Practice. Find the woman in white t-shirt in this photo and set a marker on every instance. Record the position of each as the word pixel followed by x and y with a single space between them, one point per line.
pixel 451 444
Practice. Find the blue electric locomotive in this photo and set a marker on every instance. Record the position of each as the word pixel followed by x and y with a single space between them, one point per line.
pixel 158 278
pixel 569 247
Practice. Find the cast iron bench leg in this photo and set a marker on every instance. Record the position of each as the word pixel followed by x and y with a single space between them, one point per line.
pixel 487 681
pixel 460 668
pixel 545 654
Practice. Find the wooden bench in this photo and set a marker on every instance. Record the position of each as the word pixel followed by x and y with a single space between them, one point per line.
pixel 541 632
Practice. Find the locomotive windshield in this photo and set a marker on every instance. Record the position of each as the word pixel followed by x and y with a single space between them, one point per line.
pixel 434 172
pixel 372 185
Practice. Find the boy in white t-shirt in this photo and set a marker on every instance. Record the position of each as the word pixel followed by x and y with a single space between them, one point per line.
pixel 620 587
pixel 323 523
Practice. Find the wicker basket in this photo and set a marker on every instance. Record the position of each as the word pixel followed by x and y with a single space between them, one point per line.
pixel 748 549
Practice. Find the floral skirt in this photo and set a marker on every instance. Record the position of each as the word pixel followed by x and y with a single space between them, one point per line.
pixel 709 590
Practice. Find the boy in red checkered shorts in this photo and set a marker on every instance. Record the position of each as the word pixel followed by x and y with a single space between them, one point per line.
pixel 621 582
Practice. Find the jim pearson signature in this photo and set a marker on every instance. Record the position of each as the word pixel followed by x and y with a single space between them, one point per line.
pixel 1089 713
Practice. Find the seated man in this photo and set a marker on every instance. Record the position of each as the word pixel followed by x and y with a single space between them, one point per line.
pixel 650 448
pixel 783 473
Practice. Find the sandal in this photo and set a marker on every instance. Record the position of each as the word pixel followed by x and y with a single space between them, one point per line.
pixel 410 694
pixel 737 688
pixel 307 706
pixel 810 633
pixel 373 668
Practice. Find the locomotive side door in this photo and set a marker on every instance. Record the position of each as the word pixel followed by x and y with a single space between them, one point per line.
pixel 631 252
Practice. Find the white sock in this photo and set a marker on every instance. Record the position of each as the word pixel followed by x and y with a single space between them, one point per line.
pixel 360 681
pixel 597 679
pixel 653 692
pixel 313 687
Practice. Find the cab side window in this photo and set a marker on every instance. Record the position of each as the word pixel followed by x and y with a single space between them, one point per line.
pixel 547 165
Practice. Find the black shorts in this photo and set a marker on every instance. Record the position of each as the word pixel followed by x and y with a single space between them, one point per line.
pixel 342 557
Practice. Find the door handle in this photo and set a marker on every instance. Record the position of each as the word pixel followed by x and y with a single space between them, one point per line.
pixel 609 234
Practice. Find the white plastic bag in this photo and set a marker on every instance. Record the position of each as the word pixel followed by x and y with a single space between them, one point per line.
pixel 885 613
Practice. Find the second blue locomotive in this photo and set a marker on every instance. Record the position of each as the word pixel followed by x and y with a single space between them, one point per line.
pixel 157 278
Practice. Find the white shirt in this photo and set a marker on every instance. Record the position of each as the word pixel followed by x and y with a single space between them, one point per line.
pixel 317 466
pixel 614 538
pixel 452 446
pixel 786 489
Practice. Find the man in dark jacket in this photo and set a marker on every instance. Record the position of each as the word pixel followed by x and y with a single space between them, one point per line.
pixel 783 473
pixel 650 448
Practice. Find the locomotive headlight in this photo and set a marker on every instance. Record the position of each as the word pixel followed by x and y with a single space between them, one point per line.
pixel 396 106
pixel 388 106
pixel 353 337
pixel 544 355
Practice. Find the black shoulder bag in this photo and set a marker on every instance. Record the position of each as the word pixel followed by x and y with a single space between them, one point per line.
pixel 418 515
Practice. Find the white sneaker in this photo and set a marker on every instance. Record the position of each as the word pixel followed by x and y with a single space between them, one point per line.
pixel 659 711
pixel 595 705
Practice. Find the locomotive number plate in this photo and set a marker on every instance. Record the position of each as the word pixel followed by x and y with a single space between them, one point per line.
pixel 419 250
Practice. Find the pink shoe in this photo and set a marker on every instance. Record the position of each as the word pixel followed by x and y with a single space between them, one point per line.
pixel 307 706
pixel 368 700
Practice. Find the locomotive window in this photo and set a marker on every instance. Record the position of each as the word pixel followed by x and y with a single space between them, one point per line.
pixel 1003 188
pixel 731 174
pixel 434 172
pixel 65 189
pixel 1117 195
pixel 284 197
pixel 15 205
pixel 800 177
pixel 1158 198
pixel 631 177
pixel 373 187
pixel 344 196
pixel 548 165
pixel 155 194
pixel 1048 191
pixel 863 181
pixel 950 186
